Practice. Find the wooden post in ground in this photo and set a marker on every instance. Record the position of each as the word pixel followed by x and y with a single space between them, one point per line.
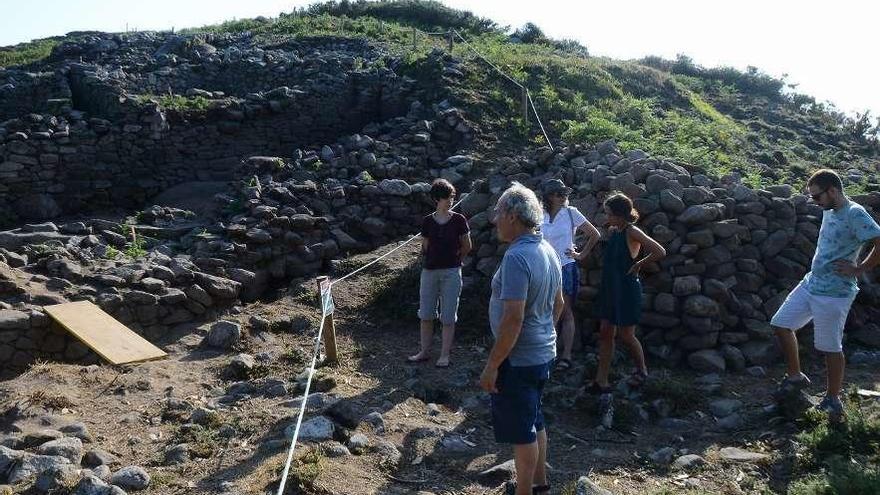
pixel 414 39
pixel 329 330
pixel 450 40
pixel 525 105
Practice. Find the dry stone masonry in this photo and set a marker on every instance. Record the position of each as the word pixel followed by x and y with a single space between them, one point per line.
pixel 327 152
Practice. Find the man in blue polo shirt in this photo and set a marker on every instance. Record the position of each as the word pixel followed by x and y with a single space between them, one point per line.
pixel 827 292
pixel 526 301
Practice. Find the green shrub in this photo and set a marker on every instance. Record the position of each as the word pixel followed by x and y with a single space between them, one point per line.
pixel 426 14
pixel 841 477
pixel 26 53
pixel 178 103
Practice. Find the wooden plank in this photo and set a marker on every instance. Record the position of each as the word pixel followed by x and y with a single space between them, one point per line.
pixel 102 333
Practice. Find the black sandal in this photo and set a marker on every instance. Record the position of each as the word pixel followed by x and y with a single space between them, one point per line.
pixel 510 488
pixel 637 379
pixel 595 389
pixel 563 364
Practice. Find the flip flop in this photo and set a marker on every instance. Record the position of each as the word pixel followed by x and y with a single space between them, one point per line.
pixel 443 366
pixel 563 364
pixel 410 359
pixel 637 379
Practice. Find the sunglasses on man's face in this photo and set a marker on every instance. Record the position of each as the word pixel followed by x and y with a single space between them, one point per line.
pixel 818 194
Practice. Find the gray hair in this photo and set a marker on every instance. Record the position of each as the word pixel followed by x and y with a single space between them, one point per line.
pixel 523 203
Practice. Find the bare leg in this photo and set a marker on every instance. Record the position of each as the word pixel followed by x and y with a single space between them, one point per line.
pixel 426 333
pixel 446 347
pixel 789 346
pixel 606 352
pixel 541 467
pixel 525 458
pixel 628 336
pixel 566 324
pixel 834 362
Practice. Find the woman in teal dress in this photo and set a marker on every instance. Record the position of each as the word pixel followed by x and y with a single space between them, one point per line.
pixel 619 304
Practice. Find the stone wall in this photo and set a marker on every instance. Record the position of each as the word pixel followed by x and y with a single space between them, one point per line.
pixel 54 164
pixel 23 92
pixel 733 253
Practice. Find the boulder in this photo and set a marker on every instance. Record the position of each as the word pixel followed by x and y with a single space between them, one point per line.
pixel 395 187
pixel 687 462
pixel 131 478
pixel 69 447
pixel 223 334
pixel 11 319
pixel 735 454
pixel 317 429
pixel 707 360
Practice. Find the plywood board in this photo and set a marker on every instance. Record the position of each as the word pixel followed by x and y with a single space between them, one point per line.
pixel 109 338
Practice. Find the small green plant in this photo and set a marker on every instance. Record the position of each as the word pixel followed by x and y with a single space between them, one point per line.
pixel 234 207
pixel 203 442
pixel 112 253
pixel 307 468
pixel 161 478
pixel 136 248
pixel 680 394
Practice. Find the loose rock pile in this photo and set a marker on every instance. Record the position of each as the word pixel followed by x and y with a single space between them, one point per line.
pixel 58 456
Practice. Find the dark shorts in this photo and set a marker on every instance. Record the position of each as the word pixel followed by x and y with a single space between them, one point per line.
pixel 571 279
pixel 516 408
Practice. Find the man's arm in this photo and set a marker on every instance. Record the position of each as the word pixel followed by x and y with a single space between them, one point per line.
pixel 848 269
pixel 508 333
pixel 873 258
pixel 558 306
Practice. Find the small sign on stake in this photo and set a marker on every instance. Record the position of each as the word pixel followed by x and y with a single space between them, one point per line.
pixel 329 328
pixel 327 305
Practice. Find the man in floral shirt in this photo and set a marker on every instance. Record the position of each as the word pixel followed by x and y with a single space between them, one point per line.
pixel 827 292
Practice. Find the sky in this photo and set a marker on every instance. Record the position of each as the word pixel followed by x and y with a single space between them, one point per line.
pixel 829 49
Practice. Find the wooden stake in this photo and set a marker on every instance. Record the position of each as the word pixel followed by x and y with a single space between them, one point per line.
pixel 414 39
pixel 451 40
pixel 525 105
pixel 329 330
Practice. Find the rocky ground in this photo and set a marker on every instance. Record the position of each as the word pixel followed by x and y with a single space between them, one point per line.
pixel 214 417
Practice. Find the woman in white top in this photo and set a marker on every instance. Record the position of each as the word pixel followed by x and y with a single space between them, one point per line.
pixel 561 223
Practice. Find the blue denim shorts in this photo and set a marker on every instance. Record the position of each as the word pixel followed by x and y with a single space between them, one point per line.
pixel 571 279
pixel 516 408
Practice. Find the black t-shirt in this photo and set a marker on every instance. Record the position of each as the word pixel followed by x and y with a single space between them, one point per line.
pixel 444 241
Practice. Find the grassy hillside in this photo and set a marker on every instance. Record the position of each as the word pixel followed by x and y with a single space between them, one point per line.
pixel 720 119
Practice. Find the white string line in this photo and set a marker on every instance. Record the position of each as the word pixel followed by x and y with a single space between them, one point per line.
pixel 302 407
pixel 478 54
pixel 538 117
pixel 521 86
pixel 389 252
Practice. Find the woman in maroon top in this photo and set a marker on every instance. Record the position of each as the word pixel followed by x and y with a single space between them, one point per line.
pixel 446 241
